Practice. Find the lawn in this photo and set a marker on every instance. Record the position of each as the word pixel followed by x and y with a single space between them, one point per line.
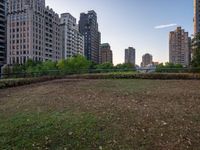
pixel 101 114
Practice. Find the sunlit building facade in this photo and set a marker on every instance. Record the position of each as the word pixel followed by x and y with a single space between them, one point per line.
pixel 106 55
pixel 147 59
pixel 179 47
pixel 3 6
pixel 33 32
pixel 72 39
pixel 130 55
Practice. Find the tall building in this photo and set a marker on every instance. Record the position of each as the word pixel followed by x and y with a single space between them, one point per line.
pixel 196 16
pixel 196 26
pixel 33 32
pixel 73 40
pixel 106 55
pixel 147 59
pixel 2 32
pixel 88 26
pixel 179 47
pixel 130 55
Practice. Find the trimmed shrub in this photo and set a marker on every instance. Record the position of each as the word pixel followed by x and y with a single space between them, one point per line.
pixel 5 83
pixel 161 76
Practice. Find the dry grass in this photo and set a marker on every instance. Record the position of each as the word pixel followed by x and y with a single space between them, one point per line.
pixel 136 114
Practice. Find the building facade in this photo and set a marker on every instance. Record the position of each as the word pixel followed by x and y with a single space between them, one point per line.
pixel 88 27
pixel 106 55
pixel 196 16
pixel 33 32
pixel 3 8
pixel 130 55
pixel 179 47
pixel 73 40
pixel 147 59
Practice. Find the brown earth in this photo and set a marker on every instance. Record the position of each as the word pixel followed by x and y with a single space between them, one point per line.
pixel 142 114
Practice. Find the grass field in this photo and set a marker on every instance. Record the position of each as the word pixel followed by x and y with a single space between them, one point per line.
pixel 101 114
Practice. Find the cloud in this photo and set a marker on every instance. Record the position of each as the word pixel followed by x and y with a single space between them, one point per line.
pixel 165 26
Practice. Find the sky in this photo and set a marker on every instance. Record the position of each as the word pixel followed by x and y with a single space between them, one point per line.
pixel 142 24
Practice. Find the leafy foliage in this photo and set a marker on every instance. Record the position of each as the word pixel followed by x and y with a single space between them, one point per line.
pixel 125 66
pixel 196 51
pixel 74 65
pixel 105 66
pixel 169 67
pixel 77 64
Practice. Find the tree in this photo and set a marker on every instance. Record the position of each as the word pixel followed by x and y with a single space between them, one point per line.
pixel 18 68
pixel 6 70
pixel 33 67
pixel 48 67
pixel 105 67
pixel 76 64
pixel 196 50
pixel 169 67
pixel 93 65
pixel 125 66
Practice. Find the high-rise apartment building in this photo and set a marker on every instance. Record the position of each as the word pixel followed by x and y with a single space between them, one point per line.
pixel 147 59
pixel 106 55
pixel 33 32
pixel 3 7
pixel 179 47
pixel 196 16
pixel 130 55
pixel 52 36
pixel 72 39
pixel 88 26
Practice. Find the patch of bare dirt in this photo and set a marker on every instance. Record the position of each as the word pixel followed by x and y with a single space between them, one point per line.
pixel 149 114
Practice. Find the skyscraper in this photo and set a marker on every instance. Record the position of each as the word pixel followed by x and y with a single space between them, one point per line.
pixel 130 55
pixel 147 59
pixel 73 40
pixel 2 32
pixel 196 16
pixel 106 55
pixel 33 32
pixel 88 26
pixel 179 47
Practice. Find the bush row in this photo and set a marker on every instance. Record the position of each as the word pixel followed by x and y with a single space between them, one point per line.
pixel 161 76
pixel 5 83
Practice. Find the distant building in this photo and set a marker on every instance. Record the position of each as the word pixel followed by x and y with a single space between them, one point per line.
pixel 179 47
pixel 196 16
pixel 33 32
pixel 3 7
pixel 155 63
pixel 147 59
pixel 130 55
pixel 88 27
pixel 106 55
pixel 72 39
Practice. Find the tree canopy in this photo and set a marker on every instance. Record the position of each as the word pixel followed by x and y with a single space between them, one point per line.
pixel 196 51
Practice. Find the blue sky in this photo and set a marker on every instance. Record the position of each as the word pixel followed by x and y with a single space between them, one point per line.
pixel 132 23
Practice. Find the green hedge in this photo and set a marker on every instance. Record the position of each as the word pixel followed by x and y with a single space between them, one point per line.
pixel 162 76
pixel 5 83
